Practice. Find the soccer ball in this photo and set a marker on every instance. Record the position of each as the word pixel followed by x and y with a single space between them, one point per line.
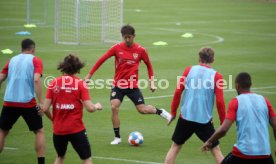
pixel 135 138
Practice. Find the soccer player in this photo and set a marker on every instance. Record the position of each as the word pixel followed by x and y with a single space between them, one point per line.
pixel 128 56
pixel 23 72
pixel 252 113
pixel 201 84
pixel 68 94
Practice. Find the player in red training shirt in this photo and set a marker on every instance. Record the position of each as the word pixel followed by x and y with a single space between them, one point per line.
pixel 252 113
pixel 200 85
pixel 68 94
pixel 128 56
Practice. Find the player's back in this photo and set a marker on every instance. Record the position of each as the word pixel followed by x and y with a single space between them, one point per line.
pixel 252 125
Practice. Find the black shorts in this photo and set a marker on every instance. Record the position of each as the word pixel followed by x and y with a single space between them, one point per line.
pixel 231 159
pixel 9 116
pixel 79 142
pixel 185 129
pixel 134 95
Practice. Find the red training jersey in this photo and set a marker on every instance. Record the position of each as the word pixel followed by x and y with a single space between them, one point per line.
pixel 218 93
pixel 67 94
pixel 38 68
pixel 127 61
pixel 232 114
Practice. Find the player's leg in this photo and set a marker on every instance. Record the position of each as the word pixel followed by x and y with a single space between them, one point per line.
pixel 59 160
pixel 34 122
pixel 204 132
pixel 135 95
pixel 81 144
pixel 172 153
pixel 183 131
pixel 9 116
pixel 115 104
pixel 87 161
pixel 217 154
pixel 116 98
pixel 60 144
pixel 3 135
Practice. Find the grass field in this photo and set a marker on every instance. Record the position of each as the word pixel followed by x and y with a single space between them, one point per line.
pixel 242 32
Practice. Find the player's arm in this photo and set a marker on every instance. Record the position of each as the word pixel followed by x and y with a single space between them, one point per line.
pixel 145 58
pixel 272 117
pixel 38 87
pixel 90 107
pixel 219 97
pixel 220 132
pixel 272 121
pixel 86 100
pixel 38 69
pixel 108 54
pixel 226 125
pixel 46 108
pixel 178 92
pixel 4 73
pixel 2 78
pixel 48 100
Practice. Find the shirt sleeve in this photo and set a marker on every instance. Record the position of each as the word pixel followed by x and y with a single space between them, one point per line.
pixel 5 69
pixel 108 54
pixel 232 109
pixel 271 112
pixel 38 65
pixel 145 58
pixel 84 91
pixel 178 91
pixel 219 97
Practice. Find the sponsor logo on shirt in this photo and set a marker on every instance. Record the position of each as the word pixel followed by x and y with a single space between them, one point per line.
pixel 121 53
pixel 65 106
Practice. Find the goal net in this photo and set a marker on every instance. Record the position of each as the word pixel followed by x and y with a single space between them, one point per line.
pixel 36 11
pixel 88 21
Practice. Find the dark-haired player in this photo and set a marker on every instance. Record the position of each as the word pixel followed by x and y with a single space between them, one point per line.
pixel 128 56
pixel 252 113
pixel 23 73
pixel 200 85
pixel 68 94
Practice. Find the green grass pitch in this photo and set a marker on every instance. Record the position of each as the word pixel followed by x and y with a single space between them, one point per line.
pixel 242 33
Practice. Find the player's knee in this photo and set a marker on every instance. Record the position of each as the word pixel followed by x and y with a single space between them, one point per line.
pixel 39 131
pixel 114 108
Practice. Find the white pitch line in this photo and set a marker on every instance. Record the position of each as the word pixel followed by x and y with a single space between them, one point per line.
pixel 125 160
pixel 265 92
pixel 10 148
pixel 227 90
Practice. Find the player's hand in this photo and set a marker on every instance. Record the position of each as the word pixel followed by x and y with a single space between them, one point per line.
pixel 87 78
pixel 169 123
pixel 98 106
pixel 152 86
pixel 207 146
pixel 39 109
